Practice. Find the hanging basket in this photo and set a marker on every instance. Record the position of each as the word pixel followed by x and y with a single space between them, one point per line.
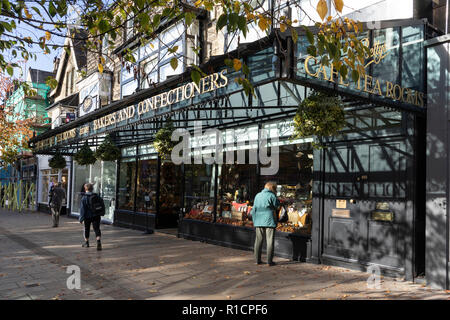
pixel 108 151
pixel 57 161
pixel 319 115
pixel 85 156
pixel 163 143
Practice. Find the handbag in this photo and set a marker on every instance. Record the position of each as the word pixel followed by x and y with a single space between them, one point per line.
pixel 283 215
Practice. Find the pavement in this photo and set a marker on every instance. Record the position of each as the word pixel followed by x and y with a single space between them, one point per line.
pixel 34 261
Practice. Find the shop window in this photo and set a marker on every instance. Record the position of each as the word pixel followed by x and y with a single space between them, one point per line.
pixel 103 177
pixel 126 192
pixel 170 188
pixel 238 185
pixel 147 185
pixel 199 191
pixel 294 186
pixel 80 177
pixel 50 177
pixel 108 191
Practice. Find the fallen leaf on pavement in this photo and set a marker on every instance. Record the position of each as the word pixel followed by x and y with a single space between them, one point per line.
pixel 247 272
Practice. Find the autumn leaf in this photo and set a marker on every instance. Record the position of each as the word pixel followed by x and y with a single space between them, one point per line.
pixel 237 64
pixel 322 9
pixel 282 27
pixel 27 13
pixel 47 35
pixel 263 23
pixel 100 68
pixel 339 5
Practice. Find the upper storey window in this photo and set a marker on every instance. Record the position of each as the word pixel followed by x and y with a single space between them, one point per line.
pixel 153 59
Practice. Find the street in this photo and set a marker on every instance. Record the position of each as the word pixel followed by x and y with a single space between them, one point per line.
pixel 35 257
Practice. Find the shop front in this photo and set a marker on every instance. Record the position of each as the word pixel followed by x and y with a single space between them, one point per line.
pixel 355 202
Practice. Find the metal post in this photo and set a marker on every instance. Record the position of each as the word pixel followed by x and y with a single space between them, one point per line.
pixel 446 17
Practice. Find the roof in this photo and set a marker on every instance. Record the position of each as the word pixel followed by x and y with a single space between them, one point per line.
pixel 79 46
pixel 39 76
pixel 69 101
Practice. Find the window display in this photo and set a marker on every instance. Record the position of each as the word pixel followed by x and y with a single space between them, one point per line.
pixel 237 188
pixel 238 185
pixel 127 184
pixel 170 188
pixel 50 177
pixel 147 185
pixel 102 176
pixel 294 186
pixel 199 191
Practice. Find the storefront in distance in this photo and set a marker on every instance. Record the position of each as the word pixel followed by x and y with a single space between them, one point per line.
pixel 355 203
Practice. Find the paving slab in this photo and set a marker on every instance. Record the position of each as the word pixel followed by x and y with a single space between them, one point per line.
pixel 35 258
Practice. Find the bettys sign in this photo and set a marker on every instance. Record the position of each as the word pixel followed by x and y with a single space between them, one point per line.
pixel 367 83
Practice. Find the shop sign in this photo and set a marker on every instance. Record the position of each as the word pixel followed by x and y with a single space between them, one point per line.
pixel 367 83
pixel 66 135
pixel 207 84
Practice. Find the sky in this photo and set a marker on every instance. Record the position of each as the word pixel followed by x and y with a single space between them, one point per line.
pixel 43 61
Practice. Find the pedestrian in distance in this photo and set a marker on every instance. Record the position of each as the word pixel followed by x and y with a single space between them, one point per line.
pixel 56 197
pixel 91 209
pixel 264 216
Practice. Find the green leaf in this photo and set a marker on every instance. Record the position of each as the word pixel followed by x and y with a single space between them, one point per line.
pixel 52 9
pixel 233 19
pixel 195 76
pixel 10 70
pixel 343 71
pixel 355 76
pixel 174 63
pixel 245 69
pixel 294 35
pixel 222 21
pixel 312 50
pixel 242 25
pixel 309 35
pixel 156 20
pixel 189 17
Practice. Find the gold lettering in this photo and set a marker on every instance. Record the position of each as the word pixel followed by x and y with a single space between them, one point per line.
pixel 323 72
pixel 333 73
pixel 389 89
pixel 366 83
pixel 191 91
pixel 377 88
pixel 307 66
pixel 196 88
pixel 224 78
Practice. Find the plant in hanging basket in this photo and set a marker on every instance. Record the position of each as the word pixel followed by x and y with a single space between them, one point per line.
pixel 107 151
pixel 319 115
pixel 163 142
pixel 57 161
pixel 85 156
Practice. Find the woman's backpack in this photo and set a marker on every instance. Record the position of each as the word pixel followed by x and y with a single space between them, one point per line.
pixel 96 204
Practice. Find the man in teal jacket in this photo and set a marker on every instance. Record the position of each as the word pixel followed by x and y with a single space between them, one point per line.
pixel 264 219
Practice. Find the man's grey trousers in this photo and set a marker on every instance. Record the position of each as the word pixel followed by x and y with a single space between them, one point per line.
pixel 269 234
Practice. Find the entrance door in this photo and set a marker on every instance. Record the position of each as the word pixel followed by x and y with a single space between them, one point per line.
pixel 366 218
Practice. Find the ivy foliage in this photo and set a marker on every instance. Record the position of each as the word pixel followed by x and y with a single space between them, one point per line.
pixel 319 115
pixel 108 150
pixel 85 156
pixel 163 140
pixel 57 161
